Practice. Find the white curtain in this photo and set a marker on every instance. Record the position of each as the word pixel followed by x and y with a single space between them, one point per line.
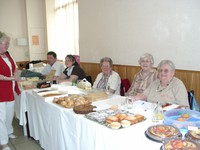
pixel 67 30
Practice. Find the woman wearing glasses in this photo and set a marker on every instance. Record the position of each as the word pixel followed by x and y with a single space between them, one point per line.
pixel 145 76
pixel 8 86
pixel 73 72
pixel 167 89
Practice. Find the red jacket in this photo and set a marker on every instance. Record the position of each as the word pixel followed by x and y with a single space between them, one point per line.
pixel 6 90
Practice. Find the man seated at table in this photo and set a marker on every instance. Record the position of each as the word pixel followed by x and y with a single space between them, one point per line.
pixel 53 64
pixel 167 89
pixel 108 79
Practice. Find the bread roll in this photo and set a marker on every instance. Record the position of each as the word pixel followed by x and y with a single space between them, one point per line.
pixel 139 117
pixel 111 119
pixel 115 125
pixel 132 119
pixel 125 123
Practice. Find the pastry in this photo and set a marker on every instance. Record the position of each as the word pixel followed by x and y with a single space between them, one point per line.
pixel 177 144
pixel 139 117
pixel 115 125
pixel 132 119
pixel 111 119
pixel 163 131
pixel 194 134
pixel 125 123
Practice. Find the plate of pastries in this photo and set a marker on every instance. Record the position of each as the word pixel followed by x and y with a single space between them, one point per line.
pixel 115 118
pixel 160 132
pixel 179 144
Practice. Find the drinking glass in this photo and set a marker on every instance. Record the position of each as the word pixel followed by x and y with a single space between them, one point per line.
pixel 129 102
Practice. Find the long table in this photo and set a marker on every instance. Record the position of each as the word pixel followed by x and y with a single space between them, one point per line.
pixel 60 128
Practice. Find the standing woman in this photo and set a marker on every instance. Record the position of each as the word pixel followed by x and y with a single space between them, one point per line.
pixel 8 85
pixel 73 72
pixel 145 76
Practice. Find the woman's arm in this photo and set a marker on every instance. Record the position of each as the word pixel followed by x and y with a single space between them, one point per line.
pixel 140 96
pixel 61 78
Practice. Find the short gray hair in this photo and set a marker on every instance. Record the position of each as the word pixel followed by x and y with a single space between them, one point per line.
pixel 106 59
pixel 146 55
pixel 3 37
pixel 169 62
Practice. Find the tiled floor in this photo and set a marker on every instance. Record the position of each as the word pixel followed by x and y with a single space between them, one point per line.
pixel 22 142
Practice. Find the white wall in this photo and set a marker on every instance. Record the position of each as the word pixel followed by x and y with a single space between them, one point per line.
pixel 21 18
pixel 125 29
pixel 36 23
pixel 121 29
pixel 13 22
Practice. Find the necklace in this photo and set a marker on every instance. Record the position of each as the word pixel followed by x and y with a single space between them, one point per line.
pixel 159 89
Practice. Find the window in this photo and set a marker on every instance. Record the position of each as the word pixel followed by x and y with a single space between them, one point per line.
pixel 67 31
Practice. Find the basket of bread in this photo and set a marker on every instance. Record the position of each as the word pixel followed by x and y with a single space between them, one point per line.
pixel 72 100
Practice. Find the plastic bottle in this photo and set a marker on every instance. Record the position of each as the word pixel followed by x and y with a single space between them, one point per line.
pixel 157 114
pixel 74 83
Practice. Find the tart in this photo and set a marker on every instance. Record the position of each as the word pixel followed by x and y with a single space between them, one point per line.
pixel 194 134
pixel 162 131
pixel 178 144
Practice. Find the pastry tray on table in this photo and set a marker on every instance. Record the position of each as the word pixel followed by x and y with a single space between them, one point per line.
pixel 100 116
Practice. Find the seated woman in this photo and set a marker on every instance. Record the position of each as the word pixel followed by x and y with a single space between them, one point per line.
pixel 167 89
pixel 108 79
pixel 145 76
pixel 73 72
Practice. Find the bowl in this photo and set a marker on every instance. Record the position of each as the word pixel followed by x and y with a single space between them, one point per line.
pixel 182 118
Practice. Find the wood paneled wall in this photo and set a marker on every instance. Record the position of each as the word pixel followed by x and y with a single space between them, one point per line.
pixel 191 79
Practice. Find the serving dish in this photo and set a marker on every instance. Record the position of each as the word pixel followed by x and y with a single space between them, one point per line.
pixel 49 94
pixel 182 118
pixel 115 119
pixel 160 132
pixel 179 144
pixel 193 135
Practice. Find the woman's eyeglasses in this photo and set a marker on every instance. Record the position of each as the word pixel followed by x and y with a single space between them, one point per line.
pixel 164 70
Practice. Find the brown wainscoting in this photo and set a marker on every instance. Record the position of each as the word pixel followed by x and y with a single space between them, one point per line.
pixel 191 79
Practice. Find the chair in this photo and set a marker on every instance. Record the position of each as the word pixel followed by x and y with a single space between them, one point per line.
pixel 190 98
pixel 125 85
pixel 192 101
pixel 89 79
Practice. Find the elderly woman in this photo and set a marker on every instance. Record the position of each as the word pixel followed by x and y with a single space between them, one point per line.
pixel 73 72
pixel 8 86
pixel 167 89
pixel 108 79
pixel 145 76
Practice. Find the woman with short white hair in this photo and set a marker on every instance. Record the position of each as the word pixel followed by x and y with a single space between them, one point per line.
pixel 8 86
pixel 108 79
pixel 145 76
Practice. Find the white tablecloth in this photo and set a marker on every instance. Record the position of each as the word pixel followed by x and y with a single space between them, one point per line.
pixel 60 128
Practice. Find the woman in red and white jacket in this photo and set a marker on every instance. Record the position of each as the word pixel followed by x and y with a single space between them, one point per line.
pixel 8 85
